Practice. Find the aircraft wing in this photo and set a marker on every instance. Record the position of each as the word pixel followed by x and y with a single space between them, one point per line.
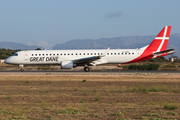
pixel 88 60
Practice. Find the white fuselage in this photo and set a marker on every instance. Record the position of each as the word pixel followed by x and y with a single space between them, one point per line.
pixel 57 56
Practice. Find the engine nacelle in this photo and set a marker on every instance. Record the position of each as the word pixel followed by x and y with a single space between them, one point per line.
pixel 67 65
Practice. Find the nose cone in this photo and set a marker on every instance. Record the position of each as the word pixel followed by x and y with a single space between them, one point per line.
pixel 7 61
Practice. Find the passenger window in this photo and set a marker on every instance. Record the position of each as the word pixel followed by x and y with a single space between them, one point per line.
pixel 71 53
pixel 111 53
pixel 118 53
pixel 57 54
pixel 91 54
pixel 39 54
pixel 122 53
pixel 32 54
pixel 107 53
pixel 114 53
pixel 76 54
pixel 101 53
pixel 46 54
pixel 129 53
pixel 64 53
pixel 43 54
pixel 50 54
pixel 35 54
pixel 79 53
pixel 126 53
pixel 61 54
pixel 94 53
pixel 133 53
pixel 84 54
pixel 68 53
pixel 87 53
pixel 53 54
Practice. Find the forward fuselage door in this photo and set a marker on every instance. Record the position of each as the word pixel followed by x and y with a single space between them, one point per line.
pixel 26 55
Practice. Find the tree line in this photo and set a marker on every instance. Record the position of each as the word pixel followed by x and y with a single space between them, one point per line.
pixel 159 59
pixel 5 53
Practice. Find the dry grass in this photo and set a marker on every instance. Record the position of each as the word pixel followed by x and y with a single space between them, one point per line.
pixel 45 97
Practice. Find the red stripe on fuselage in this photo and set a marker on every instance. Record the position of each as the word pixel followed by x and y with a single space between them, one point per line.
pixel 147 52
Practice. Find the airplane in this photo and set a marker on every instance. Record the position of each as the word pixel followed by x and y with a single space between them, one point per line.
pixel 68 59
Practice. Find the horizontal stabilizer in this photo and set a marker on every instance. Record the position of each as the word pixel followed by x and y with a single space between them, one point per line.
pixel 170 51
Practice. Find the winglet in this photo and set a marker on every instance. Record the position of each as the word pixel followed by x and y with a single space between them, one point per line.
pixel 104 54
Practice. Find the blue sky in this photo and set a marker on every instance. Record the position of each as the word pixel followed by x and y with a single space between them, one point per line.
pixel 49 22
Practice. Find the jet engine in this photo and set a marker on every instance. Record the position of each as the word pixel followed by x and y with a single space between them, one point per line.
pixel 67 65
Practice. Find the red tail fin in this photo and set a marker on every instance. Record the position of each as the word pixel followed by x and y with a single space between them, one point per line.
pixel 157 45
pixel 161 40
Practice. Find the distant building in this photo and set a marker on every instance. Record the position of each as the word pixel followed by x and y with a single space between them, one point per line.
pixel 174 58
pixel 1 61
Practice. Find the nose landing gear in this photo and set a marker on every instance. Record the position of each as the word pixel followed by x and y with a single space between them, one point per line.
pixel 22 69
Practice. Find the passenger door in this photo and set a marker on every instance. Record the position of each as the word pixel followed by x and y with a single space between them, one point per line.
pixel 26 55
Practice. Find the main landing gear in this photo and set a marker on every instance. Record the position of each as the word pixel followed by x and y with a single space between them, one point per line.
pixel 86 69
pixel 22 69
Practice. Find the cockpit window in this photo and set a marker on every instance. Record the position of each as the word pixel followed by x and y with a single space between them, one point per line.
pixel 15 54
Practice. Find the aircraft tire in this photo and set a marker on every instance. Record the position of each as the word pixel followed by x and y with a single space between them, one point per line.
pixel 22 70
pixel 86 69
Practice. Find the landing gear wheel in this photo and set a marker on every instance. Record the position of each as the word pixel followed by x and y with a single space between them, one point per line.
pixel 86 69
pixel 21 66
pixel 22 70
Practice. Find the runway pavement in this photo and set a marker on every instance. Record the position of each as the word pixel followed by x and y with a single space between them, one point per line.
pixel 87 73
